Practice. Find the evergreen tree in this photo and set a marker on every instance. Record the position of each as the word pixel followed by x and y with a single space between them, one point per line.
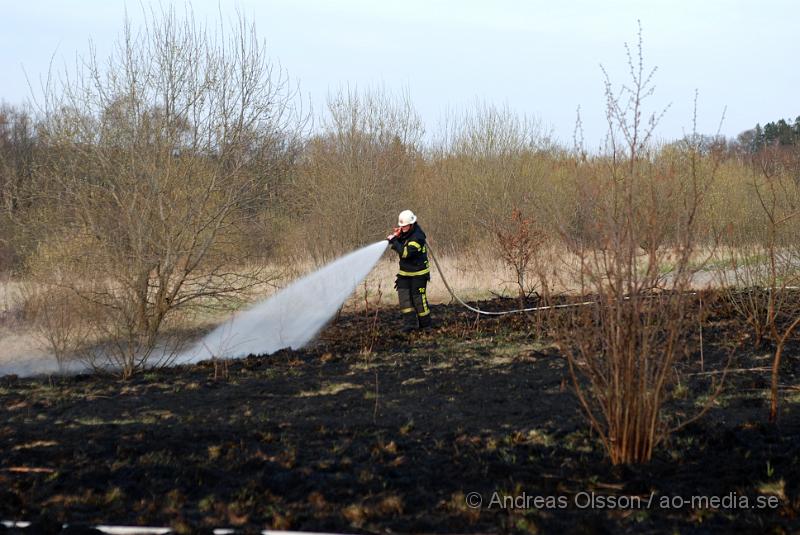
pixel 758 139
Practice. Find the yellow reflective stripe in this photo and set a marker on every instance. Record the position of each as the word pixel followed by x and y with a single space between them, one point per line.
pixel 407 310
pixel 415 244
pixel 414 273
pixel 405 251
pixel 425 309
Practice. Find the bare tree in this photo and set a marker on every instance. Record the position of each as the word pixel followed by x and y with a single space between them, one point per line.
pixel 489 159
pixel 17 152
pixel 358 169
pixel 158 163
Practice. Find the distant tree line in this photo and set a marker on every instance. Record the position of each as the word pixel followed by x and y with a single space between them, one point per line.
pixel 777 133
pixel 365 160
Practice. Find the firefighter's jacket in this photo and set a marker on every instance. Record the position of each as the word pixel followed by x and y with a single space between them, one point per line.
pixel 413 253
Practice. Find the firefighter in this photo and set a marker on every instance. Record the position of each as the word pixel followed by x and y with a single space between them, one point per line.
pixel 408 240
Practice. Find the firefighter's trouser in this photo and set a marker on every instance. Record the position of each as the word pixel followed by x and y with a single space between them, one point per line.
pixel 411 293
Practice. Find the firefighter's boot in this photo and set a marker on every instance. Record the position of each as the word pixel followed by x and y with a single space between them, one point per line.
pixel 425 321
pixel 409 321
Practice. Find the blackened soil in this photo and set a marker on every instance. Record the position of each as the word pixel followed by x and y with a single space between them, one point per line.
pixel 369 431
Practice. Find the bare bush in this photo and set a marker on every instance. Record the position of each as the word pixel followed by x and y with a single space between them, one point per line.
pixel 371 313
pixel 762 274
pixel 357 171
pixel 623 350
pixel 18 147
pixel 158 160
pixel 487 159
pixel 519 243
pixel 55 313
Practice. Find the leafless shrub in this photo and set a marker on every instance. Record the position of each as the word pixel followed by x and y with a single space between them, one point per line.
pixel 519 243
pixel 370 317
pixel 158 160
pixel 761 275
pixel 487 159
pixel 54 314
pixel 18 149
pixel 622 351
pixel 357 171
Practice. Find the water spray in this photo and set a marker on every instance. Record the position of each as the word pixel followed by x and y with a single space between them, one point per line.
pixel 292 317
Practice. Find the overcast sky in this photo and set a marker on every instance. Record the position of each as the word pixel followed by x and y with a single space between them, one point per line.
pixel 540 58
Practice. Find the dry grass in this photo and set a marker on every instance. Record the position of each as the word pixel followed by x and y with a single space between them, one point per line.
pixel 18 339
pixel 472 276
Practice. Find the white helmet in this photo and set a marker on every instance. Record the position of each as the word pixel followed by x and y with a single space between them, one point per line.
pixel 406 217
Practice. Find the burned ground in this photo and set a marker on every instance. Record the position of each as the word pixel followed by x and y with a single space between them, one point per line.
pixel 367 431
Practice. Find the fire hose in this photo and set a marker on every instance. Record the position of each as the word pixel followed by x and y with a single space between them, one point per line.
pixel 504 312
pixel 547 307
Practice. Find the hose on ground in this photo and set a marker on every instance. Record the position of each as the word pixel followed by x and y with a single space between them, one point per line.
pixel 500 313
